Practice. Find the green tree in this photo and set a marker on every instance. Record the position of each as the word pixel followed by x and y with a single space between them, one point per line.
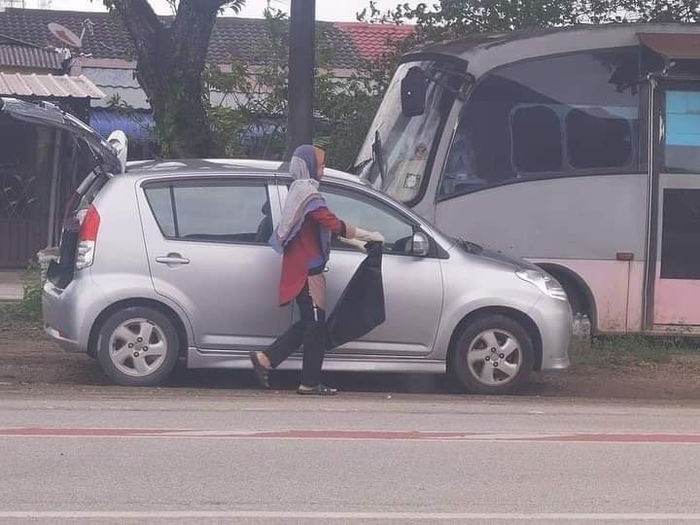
pixel 457 18
pixel 447 19
pixel 171 57
pixel 252 100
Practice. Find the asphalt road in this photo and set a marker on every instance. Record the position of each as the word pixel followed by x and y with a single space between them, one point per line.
pixel 172 456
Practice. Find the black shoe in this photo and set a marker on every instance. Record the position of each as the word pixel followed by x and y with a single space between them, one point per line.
pixel 318 390
pixel 261 373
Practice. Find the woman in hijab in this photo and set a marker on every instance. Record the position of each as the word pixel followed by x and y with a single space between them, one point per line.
pixel 303 237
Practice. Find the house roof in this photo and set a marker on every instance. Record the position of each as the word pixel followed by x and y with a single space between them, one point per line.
pixel 373 40
pixel 14 53
pixel 48 86
pixel 233 38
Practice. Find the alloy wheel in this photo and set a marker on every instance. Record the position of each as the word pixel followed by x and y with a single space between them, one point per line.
pixel 138 347
pixel 494 357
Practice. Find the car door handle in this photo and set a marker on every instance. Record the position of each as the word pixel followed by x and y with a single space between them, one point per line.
pixel 172 258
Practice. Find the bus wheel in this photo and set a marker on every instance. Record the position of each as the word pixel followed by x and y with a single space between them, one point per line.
pixel 493 355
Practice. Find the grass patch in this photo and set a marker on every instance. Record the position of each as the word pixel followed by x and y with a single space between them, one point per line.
pixel 607 351
pixel 29 308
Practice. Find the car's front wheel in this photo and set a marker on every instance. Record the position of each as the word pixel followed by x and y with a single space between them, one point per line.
pixel 492 355
pixel 137 346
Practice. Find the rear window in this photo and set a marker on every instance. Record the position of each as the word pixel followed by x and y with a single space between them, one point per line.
pixel 214 212
pixel 87 191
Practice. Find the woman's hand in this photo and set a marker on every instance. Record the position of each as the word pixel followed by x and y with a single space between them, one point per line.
pixel 366 236
pixel 355 243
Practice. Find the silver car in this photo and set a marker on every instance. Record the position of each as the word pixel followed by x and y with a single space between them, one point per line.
pixel 169 261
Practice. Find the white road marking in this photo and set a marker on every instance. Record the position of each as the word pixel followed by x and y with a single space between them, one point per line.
pixel 320 515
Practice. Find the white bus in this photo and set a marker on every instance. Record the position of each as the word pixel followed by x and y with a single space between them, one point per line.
pixel 578 149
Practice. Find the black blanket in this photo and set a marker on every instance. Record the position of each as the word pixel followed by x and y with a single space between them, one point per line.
pixel 360 308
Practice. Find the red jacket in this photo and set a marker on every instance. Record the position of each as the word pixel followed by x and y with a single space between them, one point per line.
pixel 302 249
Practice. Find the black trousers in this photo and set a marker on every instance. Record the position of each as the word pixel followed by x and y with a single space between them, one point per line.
pixel 310 331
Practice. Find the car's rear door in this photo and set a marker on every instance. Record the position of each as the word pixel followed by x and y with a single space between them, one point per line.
pixel 207 243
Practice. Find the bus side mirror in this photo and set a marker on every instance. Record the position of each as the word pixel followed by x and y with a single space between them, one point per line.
pixel 414 89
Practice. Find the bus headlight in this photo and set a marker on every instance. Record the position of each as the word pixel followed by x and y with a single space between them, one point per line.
pixel 545 283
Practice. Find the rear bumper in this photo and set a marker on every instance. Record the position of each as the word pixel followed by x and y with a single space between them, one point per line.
pixel 68 314
pixel 554 319
pixel 57 336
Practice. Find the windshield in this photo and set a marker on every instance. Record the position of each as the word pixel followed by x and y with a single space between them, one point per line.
pixel 396 154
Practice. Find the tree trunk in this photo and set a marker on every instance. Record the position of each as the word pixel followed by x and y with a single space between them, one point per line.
pixel 176 94
pixel 170 64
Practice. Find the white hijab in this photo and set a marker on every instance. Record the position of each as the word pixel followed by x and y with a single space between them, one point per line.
pixel 302 198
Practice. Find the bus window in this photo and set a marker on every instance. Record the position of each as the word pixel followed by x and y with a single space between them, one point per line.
pixel 682 149
pixel 398 150
pixel 536 136
pixel 598 138
pixel 557 116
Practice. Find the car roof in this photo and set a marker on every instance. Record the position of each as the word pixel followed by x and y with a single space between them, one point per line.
pixel 208 167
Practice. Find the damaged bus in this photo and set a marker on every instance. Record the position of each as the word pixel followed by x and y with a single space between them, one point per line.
pixel 578 149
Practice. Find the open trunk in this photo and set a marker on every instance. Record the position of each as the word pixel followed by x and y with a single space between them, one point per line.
pixel 99 159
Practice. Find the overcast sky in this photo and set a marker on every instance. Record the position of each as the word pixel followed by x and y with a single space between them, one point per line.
pixel 334 10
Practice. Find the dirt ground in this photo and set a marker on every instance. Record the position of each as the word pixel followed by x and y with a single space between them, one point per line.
pixel 29 362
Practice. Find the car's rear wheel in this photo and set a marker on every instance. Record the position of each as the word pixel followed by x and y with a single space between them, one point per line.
pixel 137 346
pixel 492 355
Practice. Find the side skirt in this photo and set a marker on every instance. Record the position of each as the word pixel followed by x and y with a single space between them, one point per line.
pixel 237 359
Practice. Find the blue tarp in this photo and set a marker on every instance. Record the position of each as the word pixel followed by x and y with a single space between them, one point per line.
pixel 137 124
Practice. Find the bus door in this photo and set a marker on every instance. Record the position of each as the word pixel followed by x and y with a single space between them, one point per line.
pixel 674 278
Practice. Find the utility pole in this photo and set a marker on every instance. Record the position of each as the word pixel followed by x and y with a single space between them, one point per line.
pixel 301 73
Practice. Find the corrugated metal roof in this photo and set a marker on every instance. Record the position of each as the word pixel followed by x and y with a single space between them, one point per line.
pixel 103 76
pixel 15 55
pixel 60 86
pixel 133 97
pixel 136 124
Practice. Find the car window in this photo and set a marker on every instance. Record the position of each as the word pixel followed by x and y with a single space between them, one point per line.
pixel 161 204
pixel 213 212
pixel 372 216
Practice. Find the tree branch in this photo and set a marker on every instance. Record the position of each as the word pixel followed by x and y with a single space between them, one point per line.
pixel 141 22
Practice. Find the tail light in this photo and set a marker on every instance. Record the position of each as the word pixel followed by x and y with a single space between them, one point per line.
pixel 89 226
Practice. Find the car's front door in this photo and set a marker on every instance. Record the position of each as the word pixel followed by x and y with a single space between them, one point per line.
pixel 413 286
pixel 207 243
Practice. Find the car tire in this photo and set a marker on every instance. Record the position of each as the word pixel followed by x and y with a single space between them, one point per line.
pixel 138 346
pixel 492 355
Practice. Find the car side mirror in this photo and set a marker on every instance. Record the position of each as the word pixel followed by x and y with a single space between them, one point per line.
pixel 420 245
pixel 414 90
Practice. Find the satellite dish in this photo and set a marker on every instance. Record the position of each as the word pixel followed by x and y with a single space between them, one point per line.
pixel 65 35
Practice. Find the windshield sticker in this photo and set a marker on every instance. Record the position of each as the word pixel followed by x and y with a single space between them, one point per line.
pixel 412 181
